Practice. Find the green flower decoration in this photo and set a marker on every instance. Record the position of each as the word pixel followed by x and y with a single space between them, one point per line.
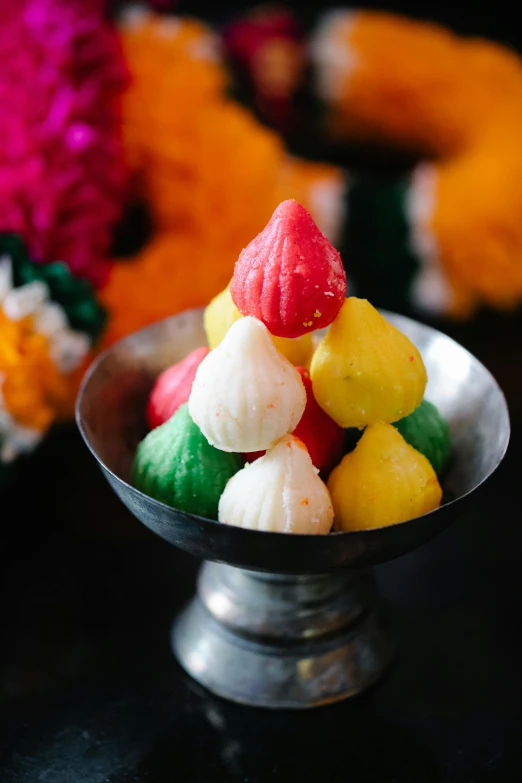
pixel 75 295
pixel 376 242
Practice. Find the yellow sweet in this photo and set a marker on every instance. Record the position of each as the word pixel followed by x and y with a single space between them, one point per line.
pixel 297 350
pixel 382 482
pixel 221 313
pixel 218 317
pixel 365 370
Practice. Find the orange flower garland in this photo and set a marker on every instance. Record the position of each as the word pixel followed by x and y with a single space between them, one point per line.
pixel 211 173
pixel 173 63
pixel 418 86
pixel 172 273
pixel 389 79
pixel 48 322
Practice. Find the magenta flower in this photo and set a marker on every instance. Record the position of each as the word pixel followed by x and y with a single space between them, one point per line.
pixel 62 170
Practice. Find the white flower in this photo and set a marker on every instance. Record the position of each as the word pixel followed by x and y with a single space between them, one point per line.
pixel 134 16
pixel 50 319
pixel 24 301
pixel 15 438
pixel 6 276
pixel 328 206
pixel 333 55
pixel 68 349
pixel 205 48
pixel 168 26
pixel 430 289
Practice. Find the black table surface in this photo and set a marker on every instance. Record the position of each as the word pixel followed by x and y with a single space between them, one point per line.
pixel 90 692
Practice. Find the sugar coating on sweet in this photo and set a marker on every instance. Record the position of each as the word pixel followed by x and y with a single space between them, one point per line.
pixel 246 395
pixel 172 388
pixel 290 276
pixel 322 436
pixel 280 492
pixel 382 482
pixel 362 371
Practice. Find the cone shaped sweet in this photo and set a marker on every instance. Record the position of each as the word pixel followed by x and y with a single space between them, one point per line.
pixel 382 482
pixel 290 276
pixel 221 313
pixel 246 395
pixel 298 350
pixel 428 432
pixel 323 438
pixel 280 492
pixel 365 370
pixel 176 465
pixel 172 388
pixel 218 317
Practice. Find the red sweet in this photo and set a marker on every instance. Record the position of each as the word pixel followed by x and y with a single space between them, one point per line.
pixel 290 277
pixel 172 388
pixel 323 438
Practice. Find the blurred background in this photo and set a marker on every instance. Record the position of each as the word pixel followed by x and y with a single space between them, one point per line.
pixel 143 147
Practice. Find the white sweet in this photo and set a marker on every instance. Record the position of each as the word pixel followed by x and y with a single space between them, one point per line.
pixel 246 395
pixel 279 492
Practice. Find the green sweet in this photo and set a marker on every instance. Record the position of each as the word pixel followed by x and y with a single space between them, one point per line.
pixel 428 432
pixel 177 465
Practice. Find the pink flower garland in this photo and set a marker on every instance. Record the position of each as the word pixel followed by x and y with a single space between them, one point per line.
pixel 61 159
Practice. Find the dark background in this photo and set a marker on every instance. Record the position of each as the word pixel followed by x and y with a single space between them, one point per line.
pixel 498 21
pixel 89 691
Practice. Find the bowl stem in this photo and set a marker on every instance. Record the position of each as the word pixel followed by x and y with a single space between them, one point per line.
pixel 282 641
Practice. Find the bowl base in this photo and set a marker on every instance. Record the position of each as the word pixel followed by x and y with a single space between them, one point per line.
pixel 282 642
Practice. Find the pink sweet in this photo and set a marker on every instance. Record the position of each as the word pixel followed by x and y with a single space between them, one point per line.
pixel 172 388
pixel 290 277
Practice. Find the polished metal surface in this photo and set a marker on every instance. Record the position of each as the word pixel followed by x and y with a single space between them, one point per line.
pixel 282 641
pixel 285 623
pixel 111 418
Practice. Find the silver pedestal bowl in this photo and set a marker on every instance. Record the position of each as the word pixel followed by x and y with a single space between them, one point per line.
pixel 286 621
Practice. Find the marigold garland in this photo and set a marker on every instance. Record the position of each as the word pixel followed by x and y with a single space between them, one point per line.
pixel 182 269
pixel 459 101
pixel 211 173
pixel 31 381
pixel 48 321
pixel 385 78
pixel 174 64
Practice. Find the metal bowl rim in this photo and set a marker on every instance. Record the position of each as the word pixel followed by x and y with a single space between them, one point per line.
pixel 93 368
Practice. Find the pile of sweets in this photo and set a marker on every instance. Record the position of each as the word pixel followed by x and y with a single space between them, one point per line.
pixel 241 434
